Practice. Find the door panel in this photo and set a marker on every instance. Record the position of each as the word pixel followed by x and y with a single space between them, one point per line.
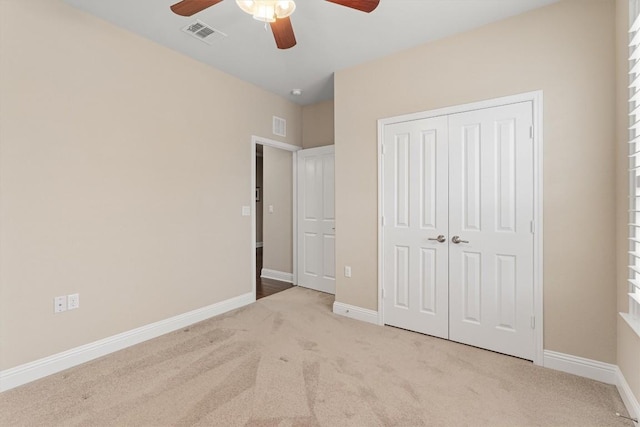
pixel 491 207
pixel 316 219
pixel 470 188
pixel 310 249
pixel 329 256
pixel 428 281
pixel 415 210
pixel 401 284
pixel 506 291
pixel 468 175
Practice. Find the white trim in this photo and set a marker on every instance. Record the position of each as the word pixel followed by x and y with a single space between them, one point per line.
pixel 634 324
pixel 294 217
pixel 479 105
pixel 592 369
pixel 381 124
pixel 14 377
pixel 273 143
pixel 357 313
pixel 536 98
pixel 538 218
pixel 319 151
pixel 283 146
pixel 595 370
pixel 276 275
pixel 628 398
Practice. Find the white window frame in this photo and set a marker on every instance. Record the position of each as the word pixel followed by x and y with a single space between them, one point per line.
pixel 632 316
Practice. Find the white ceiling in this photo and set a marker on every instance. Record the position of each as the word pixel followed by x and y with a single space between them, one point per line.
pixel 330 37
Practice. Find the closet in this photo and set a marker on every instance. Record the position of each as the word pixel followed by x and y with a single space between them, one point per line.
pixel 457 205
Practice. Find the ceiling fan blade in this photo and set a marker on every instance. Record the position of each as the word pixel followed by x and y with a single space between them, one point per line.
pixel 363 5
pixel 191 7
pixel 283 33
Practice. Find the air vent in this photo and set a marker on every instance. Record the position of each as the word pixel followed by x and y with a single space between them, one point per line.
pixel 279 126
pixel 204 32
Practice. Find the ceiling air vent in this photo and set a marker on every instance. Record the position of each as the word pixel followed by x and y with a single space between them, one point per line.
pixel 204 32
pixel 279 126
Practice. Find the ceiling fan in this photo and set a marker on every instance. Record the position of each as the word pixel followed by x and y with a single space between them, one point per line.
pixel 275 12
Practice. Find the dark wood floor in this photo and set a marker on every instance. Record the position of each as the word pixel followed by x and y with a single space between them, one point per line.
pixel 266 287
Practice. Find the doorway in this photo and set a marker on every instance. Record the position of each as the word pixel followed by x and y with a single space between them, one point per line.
pixel 273 206
pixel 461 225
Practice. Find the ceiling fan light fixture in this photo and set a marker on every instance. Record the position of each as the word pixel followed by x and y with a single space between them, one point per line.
pixel 267 10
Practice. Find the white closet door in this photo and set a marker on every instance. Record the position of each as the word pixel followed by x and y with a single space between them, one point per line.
pixel 491 212
pixel 316 219
pixel 415 214
pixel 467 177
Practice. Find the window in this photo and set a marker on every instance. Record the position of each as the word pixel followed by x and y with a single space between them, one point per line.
pixel 633 314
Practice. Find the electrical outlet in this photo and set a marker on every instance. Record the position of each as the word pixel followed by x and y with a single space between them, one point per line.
pixel 73 301
pixel 347 271
pixel 59 304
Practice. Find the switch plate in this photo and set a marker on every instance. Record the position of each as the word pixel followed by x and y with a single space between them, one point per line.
pixel 270 209
pixel 60 304
pixel 246 211
pixel 347 271
pixel 73 301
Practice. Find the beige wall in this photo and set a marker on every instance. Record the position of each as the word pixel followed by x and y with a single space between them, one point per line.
pixel 277 232
pixel 318 124
pixel 566 50
pixel 628 343
pixel 111 185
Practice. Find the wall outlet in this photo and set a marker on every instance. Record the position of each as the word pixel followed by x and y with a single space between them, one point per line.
pixel 73 301
pixel 347 271
pixel 60 304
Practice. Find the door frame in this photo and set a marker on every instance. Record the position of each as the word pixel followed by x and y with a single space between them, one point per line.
pixel 536 98
pixel 255 140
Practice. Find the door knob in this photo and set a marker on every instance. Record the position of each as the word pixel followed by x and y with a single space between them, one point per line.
pixel 456 240
pixel 440 238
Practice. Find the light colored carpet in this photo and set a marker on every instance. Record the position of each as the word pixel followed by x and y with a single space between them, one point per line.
pixel 288 361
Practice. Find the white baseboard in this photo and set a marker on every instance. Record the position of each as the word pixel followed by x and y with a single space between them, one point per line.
pixel 14 377
pixel 630 401
pixel 595 370
pixel 592 369
pixel 276 275
pixel 358 313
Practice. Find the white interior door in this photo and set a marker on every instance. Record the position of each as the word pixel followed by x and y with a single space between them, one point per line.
pixel 467 177
pixel 416 225
pixel 316 219
pixel 491 208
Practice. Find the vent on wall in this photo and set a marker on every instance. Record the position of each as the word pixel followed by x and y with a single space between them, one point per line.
pixel 204 32
pixel 279 126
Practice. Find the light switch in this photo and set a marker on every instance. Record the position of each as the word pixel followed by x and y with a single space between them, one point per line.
pixel 270 208
pixel 246 211
pixel 347 271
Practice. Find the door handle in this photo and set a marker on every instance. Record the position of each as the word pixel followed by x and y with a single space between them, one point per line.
pixel 440 238
pixel 456 240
